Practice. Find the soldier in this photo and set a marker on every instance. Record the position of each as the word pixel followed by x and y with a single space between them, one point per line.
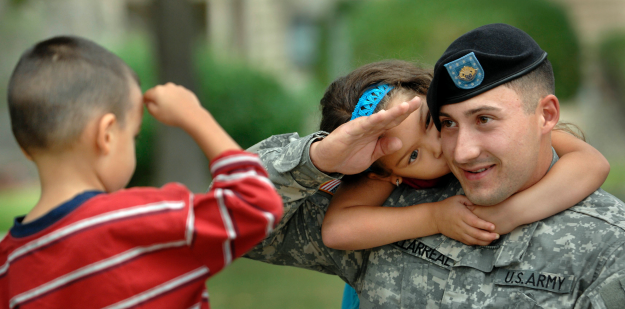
pixel 495 131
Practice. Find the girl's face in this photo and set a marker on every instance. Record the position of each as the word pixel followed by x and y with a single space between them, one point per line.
pixel 420 156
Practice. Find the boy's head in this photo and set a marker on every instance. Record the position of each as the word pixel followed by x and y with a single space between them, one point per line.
pixel 59 85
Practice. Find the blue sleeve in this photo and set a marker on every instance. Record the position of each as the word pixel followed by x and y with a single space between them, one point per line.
pixel 350 298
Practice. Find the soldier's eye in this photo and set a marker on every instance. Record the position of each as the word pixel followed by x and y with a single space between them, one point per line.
pixel 484 119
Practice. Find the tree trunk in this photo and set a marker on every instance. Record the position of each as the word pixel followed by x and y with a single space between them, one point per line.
pixel 178 158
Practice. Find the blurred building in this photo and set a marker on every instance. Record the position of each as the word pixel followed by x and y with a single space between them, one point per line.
pixel 277 36
pixel 600 115
pixel 280 37
pixel 592 19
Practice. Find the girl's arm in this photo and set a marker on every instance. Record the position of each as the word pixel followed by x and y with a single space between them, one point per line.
pixel 580 171
pixel 350 225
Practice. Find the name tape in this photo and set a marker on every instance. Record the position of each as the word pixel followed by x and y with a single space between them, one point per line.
pixel 535 280
pixel 421 250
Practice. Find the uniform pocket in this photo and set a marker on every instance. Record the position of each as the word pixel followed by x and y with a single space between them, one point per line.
pixel 515 300
pixel 414 286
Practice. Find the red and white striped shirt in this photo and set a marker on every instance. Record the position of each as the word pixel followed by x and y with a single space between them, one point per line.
pixel 140 247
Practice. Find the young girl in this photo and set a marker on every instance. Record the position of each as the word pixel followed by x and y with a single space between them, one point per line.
pixel 355 219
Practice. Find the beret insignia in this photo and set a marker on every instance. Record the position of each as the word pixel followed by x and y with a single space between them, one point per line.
pixel 466 72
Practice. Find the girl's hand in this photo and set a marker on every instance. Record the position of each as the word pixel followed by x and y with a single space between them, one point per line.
pixel 453 219
pixel 172 104
pixel 506 215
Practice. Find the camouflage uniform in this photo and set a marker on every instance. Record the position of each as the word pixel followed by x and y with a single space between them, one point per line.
pixel 566 261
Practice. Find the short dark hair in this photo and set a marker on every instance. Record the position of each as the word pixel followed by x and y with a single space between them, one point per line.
pixel 534 85
pixel 342 95
pixel 61 83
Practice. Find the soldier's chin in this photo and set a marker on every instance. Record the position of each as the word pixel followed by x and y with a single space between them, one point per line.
pixel 487 198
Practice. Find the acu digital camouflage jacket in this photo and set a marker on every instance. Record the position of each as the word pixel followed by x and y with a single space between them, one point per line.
pixel 575 259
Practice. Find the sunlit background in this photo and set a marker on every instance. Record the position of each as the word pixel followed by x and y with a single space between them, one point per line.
pixel 261 66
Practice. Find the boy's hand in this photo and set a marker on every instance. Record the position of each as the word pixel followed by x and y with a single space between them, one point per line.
pixel 356 144
pixel 453 219
pixel 176 106
pixel 171 104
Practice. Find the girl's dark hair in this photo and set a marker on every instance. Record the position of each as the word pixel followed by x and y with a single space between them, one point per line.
pixel 342 95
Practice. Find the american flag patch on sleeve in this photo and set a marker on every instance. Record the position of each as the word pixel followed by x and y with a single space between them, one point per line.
pixel 330 186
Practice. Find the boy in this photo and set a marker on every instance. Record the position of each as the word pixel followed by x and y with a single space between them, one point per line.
pixel 75 111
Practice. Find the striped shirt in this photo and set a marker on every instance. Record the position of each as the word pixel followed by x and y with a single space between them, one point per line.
pixel 140 247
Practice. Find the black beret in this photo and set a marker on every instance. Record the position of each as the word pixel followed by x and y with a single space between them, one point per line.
pixel 480 60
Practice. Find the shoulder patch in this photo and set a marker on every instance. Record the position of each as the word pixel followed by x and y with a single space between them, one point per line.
pixel 466 72
pixel 613 293
pixel 330 186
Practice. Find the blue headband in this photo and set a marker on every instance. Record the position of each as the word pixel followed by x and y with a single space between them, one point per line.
pixel 370 100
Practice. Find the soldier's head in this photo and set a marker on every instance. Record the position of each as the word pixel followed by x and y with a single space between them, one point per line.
pixel 492 98
pixel 382 85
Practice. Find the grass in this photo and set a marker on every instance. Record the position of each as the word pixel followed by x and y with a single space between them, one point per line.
pixel 16 202
pixel 252 284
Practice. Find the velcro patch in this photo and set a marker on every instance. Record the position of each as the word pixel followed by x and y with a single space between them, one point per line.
pixel 466 72
pixel 613 293
pixel 535 280
pixel 425 252
pixel 330 186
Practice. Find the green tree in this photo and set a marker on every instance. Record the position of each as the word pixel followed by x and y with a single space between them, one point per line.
pixel 421 31
pixel 249 105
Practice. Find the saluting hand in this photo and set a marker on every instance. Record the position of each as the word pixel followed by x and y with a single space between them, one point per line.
pixel 355 145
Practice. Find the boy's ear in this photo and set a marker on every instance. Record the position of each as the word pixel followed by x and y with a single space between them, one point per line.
pixel 105 133
pixel 393 179
pixel 549 109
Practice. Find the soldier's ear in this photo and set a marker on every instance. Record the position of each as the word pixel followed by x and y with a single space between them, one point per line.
pixel 549 112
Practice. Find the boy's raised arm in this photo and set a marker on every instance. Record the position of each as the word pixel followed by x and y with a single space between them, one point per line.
pixel 242 206
pixel 176 106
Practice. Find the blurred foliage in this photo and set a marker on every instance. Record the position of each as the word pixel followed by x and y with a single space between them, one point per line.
pixel 612 62
pixel 420 31
pixel 249 105
pixel 615 183
pixel 137 54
